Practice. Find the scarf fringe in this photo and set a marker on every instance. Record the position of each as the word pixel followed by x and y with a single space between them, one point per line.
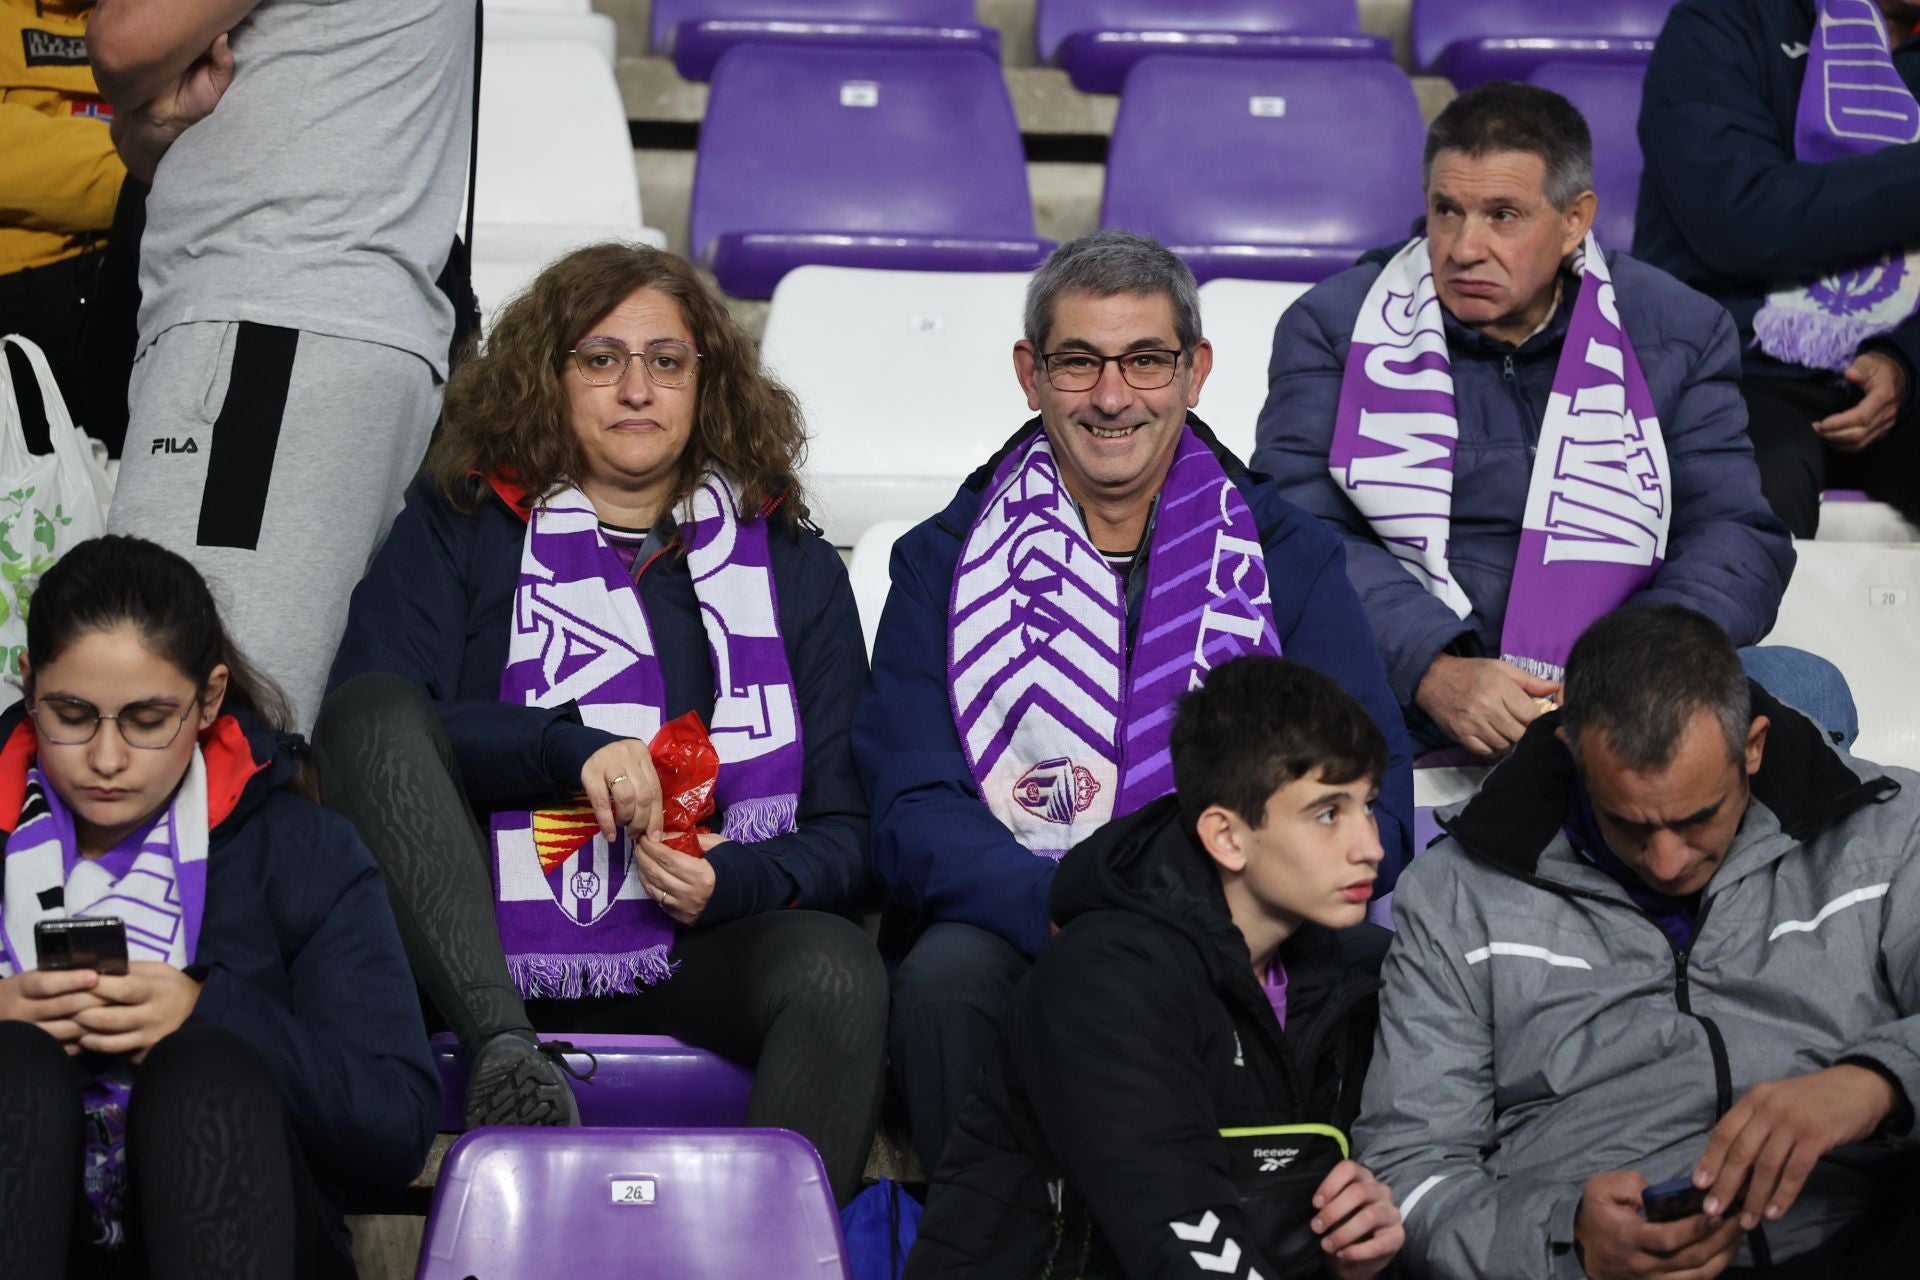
pixel 1535 667
pixel 761 818
pixel 573 977
pixel 1813 339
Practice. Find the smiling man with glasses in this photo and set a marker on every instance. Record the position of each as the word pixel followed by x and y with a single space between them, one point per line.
pixel 1040 630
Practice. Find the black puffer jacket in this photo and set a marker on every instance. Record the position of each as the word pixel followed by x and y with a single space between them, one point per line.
pixel 1109 1137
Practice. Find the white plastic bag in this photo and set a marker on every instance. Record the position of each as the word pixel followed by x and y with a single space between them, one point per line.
pixel 48 502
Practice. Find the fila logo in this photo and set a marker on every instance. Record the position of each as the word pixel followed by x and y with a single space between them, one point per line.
pixel 1793 50
pixel 167 444
pixel 1275 1159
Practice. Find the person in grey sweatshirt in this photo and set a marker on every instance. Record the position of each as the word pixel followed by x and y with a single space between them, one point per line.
pixel 1675 936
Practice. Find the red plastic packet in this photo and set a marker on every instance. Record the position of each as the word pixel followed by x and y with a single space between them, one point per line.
pixel 689 767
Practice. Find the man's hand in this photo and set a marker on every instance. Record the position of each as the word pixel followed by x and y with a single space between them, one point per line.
pixel 50 999
pixel 1617 1243
pixel 623 789
pixel 1355 1218
pixel 139 1009
pixel 681 884
pixel 144 134
pixel 1771 1139
pixel 1882 380
pixel 1484 704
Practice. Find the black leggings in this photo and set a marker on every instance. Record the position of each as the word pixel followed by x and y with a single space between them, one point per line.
pixel 800 995
pixel 216 1186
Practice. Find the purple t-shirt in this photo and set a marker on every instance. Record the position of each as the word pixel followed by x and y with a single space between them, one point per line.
pixel 1276 988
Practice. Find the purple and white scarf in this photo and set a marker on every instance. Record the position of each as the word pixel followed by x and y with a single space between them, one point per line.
pixel 1060 734
pixel 574 916
pixel 156 882
pixel 1852 103
pixel 1599 503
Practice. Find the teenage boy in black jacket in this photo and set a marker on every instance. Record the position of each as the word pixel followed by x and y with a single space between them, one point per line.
pixel 1178 1072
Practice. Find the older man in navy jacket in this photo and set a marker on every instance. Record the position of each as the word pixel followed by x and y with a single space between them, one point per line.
pixel 1509 208
pixel 1799 214
pixel 1117 551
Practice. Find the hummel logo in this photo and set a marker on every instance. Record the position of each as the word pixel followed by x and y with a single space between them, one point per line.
pixel 167 444
pixel 1793 50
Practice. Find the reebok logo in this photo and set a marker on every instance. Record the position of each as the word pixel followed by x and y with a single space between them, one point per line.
pixel 1793 50
pixel 1274 1159
pixel 167 444
pixel 51 49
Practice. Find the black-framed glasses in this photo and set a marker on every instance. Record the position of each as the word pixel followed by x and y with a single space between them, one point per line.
pixel 604 362
pixel 69 722
pixel 1147 370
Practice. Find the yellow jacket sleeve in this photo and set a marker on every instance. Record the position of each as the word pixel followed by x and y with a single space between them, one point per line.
pixel 57 174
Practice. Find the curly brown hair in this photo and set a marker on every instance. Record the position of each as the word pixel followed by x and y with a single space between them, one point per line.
pixel 506 410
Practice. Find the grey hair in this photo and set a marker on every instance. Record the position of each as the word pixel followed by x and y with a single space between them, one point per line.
pixel 1504 115
pixel 1641 674
pixel 1109 262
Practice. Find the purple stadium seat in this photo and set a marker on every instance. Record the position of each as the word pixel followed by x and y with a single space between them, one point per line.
pixel 901 158
pixel 1608 95
pixel 1098 41
pixel 639 1082
pixel 697 32
pixel 657 1204
pixel 1265 169
pixel 1470 41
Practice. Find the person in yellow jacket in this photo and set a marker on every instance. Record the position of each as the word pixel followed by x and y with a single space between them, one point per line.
pixel 59 178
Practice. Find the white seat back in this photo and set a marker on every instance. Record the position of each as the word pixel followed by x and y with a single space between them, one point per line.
pixel 1850 520
pixel 907 381
pixel 565 23
pixel 870 571
pixel 1858 605
pixel 1238 317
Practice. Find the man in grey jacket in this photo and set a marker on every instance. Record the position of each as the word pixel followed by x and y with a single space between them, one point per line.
pixel 1676 935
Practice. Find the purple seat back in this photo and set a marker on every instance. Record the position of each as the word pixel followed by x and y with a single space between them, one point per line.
pixel 658 1204
pixel 697 32
pixel 901 158
pixel 1271 169
pixel 1471 41
pixel 1608 95
pixel 1099 41
pixel 639 1082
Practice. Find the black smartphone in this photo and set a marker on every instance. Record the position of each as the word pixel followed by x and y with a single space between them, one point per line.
pixel 80 943
pixel 1673 1200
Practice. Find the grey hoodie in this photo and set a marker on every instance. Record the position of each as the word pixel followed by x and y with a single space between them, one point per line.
pixel 1537 1027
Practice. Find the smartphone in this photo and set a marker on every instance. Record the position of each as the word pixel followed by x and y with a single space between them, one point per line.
pixel 79 943
pixel 1673 1200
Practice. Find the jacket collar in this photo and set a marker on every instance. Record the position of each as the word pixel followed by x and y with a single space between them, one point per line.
pixel 1520 809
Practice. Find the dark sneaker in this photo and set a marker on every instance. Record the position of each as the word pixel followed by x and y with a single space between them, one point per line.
pixel 515 1081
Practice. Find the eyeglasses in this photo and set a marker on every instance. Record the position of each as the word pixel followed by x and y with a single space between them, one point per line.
pixel 604 362
pixel 69 722
pixel 1080 370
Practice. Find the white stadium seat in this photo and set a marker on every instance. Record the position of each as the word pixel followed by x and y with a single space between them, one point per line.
pixel 1849 516
pixel 1238 317
pixel 544 188
pixel 907 382
pixel 565 23
pixel 1858 605
pixel 869 569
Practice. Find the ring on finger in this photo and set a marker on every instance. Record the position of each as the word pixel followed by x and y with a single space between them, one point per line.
pixel 616 780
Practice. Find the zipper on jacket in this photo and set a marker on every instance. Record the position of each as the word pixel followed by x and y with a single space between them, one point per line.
pixel 1683 997
pixel 1506 367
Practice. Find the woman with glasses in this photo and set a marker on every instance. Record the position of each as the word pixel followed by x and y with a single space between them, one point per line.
pixel 609 536
pixel 219 1033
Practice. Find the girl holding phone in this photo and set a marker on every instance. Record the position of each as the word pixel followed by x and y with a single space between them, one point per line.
pixel 197 1115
